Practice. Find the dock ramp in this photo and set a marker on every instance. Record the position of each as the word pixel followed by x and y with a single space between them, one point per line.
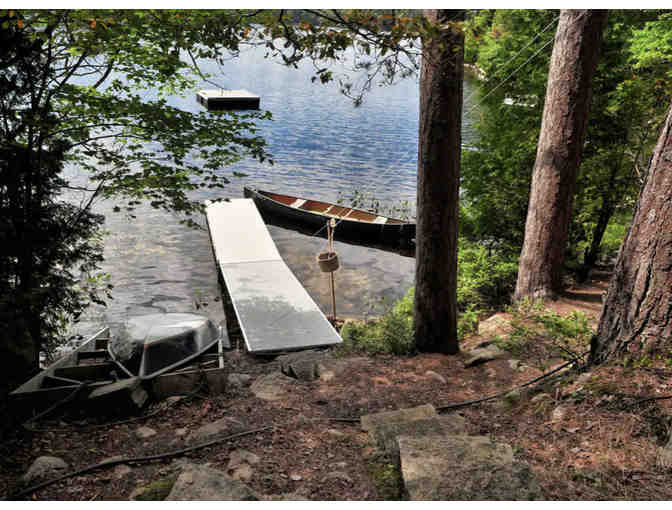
pixel 274 311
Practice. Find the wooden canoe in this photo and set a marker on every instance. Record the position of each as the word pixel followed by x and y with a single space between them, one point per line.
pixel 351 222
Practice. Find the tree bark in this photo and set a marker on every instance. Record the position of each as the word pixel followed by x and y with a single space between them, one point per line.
pixel 563 128
pixel 637 314
pixel 441 81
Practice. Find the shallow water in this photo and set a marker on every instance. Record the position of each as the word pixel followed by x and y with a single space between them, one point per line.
pixel 322 145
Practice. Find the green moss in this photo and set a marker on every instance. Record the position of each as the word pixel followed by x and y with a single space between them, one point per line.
pixel 387 478
pixel 158 490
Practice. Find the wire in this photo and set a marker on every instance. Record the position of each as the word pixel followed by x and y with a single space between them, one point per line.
pixel 520 66
pixel 519 52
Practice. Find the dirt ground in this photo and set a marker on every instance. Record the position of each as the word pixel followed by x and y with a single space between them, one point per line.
pixel 586 437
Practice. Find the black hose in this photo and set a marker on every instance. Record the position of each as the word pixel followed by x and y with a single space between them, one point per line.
pixel 131 460
pixel 182 451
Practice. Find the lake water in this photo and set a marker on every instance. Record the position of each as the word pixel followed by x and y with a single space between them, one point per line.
pixel 321 145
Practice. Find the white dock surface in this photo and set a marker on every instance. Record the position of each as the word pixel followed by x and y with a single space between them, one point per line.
pixel 274 311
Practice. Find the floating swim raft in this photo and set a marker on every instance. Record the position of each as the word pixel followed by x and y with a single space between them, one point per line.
pixel 274 311
pixel 228 99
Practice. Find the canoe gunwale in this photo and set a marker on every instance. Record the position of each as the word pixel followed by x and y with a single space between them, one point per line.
pixel 348 225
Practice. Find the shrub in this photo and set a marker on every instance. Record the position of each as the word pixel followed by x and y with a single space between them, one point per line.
pixel 486 276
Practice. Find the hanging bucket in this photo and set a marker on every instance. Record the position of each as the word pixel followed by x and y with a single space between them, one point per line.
pixel 328 261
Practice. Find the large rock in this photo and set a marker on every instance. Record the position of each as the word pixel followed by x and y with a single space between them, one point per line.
pixel 370 421
pixel 45 467
pixel 273 386
pixel 471 468
pixel 223 425
pixel 330 368
pixel 200 483
pixel 386 434
pixel 496 325
pixel 303 365
pixel 483 354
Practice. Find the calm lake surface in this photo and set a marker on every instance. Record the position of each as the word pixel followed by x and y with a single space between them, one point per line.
pixel 321 145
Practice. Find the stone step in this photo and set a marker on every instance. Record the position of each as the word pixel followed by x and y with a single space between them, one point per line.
pixel 472 468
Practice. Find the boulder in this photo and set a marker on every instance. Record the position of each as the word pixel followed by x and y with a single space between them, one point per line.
pixel 371 421
pixel 200 483
pixel 471 468
pixel 330 368
pixel 496 325
pixel 386 434
pixel 301 365
pixel 45 467
pixel 273 386
pixel 483 354
pixel 223 425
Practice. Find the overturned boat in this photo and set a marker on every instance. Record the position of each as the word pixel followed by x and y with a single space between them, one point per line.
pixel 153 344
pixel 166 353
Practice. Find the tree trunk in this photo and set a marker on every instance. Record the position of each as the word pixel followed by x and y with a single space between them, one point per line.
pixel 439 143
pixel 637 314
pixel 563 129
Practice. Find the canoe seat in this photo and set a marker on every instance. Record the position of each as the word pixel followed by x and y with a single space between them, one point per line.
pixel 298 203
pixel 380 220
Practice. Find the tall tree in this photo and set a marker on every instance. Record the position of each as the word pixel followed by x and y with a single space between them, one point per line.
pixel 637 314
pixel 441 81
pixel 74 89
pixel 563 128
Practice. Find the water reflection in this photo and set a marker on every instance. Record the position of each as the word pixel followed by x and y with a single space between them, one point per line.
pixel 321 145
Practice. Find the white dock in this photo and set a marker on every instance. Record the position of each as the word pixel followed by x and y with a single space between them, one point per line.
pixel 274 311
pixel 228 99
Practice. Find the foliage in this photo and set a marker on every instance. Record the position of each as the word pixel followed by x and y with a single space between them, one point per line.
pixel 368 202
pixel 486 278
pixel 486 275
pixel 629 101
pixel 537 334
pixel 390 334
pixel 611 240
pixel 91 86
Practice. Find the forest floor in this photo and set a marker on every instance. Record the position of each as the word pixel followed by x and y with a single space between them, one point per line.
pixel 586 435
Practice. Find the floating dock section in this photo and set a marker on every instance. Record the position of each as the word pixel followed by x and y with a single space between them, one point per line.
pixel 228 99
pixel 274 311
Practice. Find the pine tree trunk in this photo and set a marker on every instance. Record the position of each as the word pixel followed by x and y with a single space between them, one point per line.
pixel 440 140
pixel 563 128
pixel 637 314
